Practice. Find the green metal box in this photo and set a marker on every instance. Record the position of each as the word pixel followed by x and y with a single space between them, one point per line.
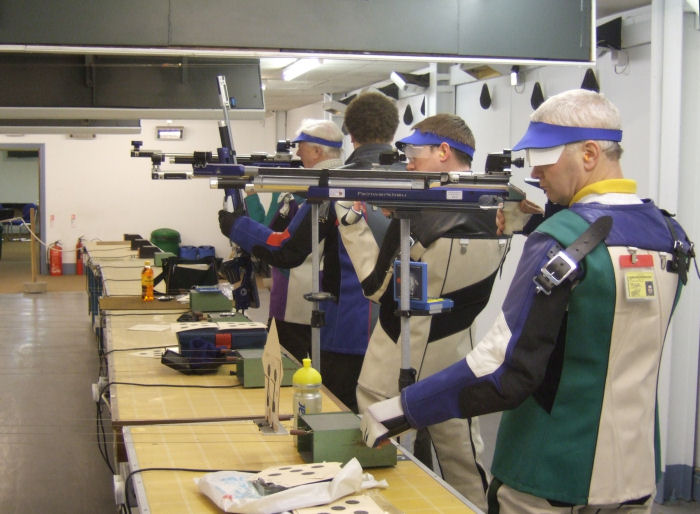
pixel 336 437
pixel 206 301
pixel 249 369
pixel 161 256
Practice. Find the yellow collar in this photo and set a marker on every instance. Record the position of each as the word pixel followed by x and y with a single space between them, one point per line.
pixel 615 185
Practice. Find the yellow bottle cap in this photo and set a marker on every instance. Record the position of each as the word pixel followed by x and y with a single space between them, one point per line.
pixel 146 263
pixel 306 375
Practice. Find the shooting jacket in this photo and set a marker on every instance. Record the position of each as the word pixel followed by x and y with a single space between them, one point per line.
pixel 288 285
pixel 576 371
pixel 348 318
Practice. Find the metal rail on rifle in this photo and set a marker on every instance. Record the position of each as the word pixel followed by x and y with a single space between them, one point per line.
pixel 380 186
pixel 205 164
pixel 394 189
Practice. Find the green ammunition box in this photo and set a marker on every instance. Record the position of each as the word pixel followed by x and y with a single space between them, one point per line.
pixel 336 436
pixel 250 373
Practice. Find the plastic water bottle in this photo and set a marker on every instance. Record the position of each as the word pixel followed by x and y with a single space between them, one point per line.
pixel 307 391
pixel 147 282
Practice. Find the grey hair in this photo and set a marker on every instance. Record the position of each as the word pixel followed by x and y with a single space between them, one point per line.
pixel 583 108
pixel 324 129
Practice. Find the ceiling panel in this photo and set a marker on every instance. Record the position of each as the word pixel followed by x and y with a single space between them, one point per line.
pixel 340 76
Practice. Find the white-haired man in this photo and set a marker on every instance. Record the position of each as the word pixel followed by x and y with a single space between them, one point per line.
pixel 348 317
pixel 573 357
pixel 318 144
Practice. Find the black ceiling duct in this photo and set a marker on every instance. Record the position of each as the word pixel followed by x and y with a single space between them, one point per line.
pixel 609 35
pixel 391 90
pixel 346 100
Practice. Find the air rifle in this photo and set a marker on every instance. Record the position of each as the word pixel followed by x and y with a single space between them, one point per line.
pixel 401 190
pixel 380 186
pixel 385 188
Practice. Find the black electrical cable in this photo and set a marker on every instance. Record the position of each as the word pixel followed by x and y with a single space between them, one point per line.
pixel 149 313
pixel 135 349
pixel 107 257
pixel 195 386
pixel 102 441
pixel 128 479
pixel 101 434
pixel 121 267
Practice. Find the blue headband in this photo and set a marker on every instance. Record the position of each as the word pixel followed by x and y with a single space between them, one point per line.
pixel 428 138
pixel 319 140
pixel 546 135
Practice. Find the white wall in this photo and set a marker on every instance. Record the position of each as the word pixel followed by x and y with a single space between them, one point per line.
pixel 110 193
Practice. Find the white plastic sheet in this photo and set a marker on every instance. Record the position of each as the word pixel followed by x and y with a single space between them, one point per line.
pixel 234 491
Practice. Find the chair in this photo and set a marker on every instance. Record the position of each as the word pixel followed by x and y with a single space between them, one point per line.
pixel 25 221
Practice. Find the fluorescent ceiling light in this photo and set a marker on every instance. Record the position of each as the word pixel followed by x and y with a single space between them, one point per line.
pixel 515 75
pixel 300 67
pixel 398 79
pixel 170 132
pixel 276 54
pixel 410 82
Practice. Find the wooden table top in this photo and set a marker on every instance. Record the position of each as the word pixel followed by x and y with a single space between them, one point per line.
pixel 241 446
pixel 165 395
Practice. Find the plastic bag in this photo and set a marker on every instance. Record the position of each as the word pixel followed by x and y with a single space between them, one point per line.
pixel 234 491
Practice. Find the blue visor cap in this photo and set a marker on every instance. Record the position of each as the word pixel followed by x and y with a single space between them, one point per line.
pixel 545 135
pixel 419 138
pixel 318 140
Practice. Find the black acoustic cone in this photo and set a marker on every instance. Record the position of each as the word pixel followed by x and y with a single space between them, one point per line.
pixel 590 82
pixel 408 115
pixel 485 97
pixel 537 97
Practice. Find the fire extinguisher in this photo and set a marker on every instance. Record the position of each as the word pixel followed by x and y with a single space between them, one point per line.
pixel 79 256
pixel 55 259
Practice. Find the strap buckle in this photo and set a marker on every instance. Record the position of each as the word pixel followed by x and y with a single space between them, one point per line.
pixel 558 269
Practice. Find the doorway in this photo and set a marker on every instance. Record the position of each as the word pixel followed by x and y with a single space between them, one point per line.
pixel 21 187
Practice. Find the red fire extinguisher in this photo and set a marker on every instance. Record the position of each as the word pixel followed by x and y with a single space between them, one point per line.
pixel 79 257
pixel 55 259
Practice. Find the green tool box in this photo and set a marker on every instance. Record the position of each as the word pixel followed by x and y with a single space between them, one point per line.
pixel 209 299
pixel 249 369
pixel 159 257
pixel 336 437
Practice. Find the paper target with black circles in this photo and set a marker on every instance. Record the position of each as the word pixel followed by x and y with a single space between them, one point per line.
pixel 356 504
pixel 298 474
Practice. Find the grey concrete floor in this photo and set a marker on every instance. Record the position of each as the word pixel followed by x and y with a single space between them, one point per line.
pixel 49 461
